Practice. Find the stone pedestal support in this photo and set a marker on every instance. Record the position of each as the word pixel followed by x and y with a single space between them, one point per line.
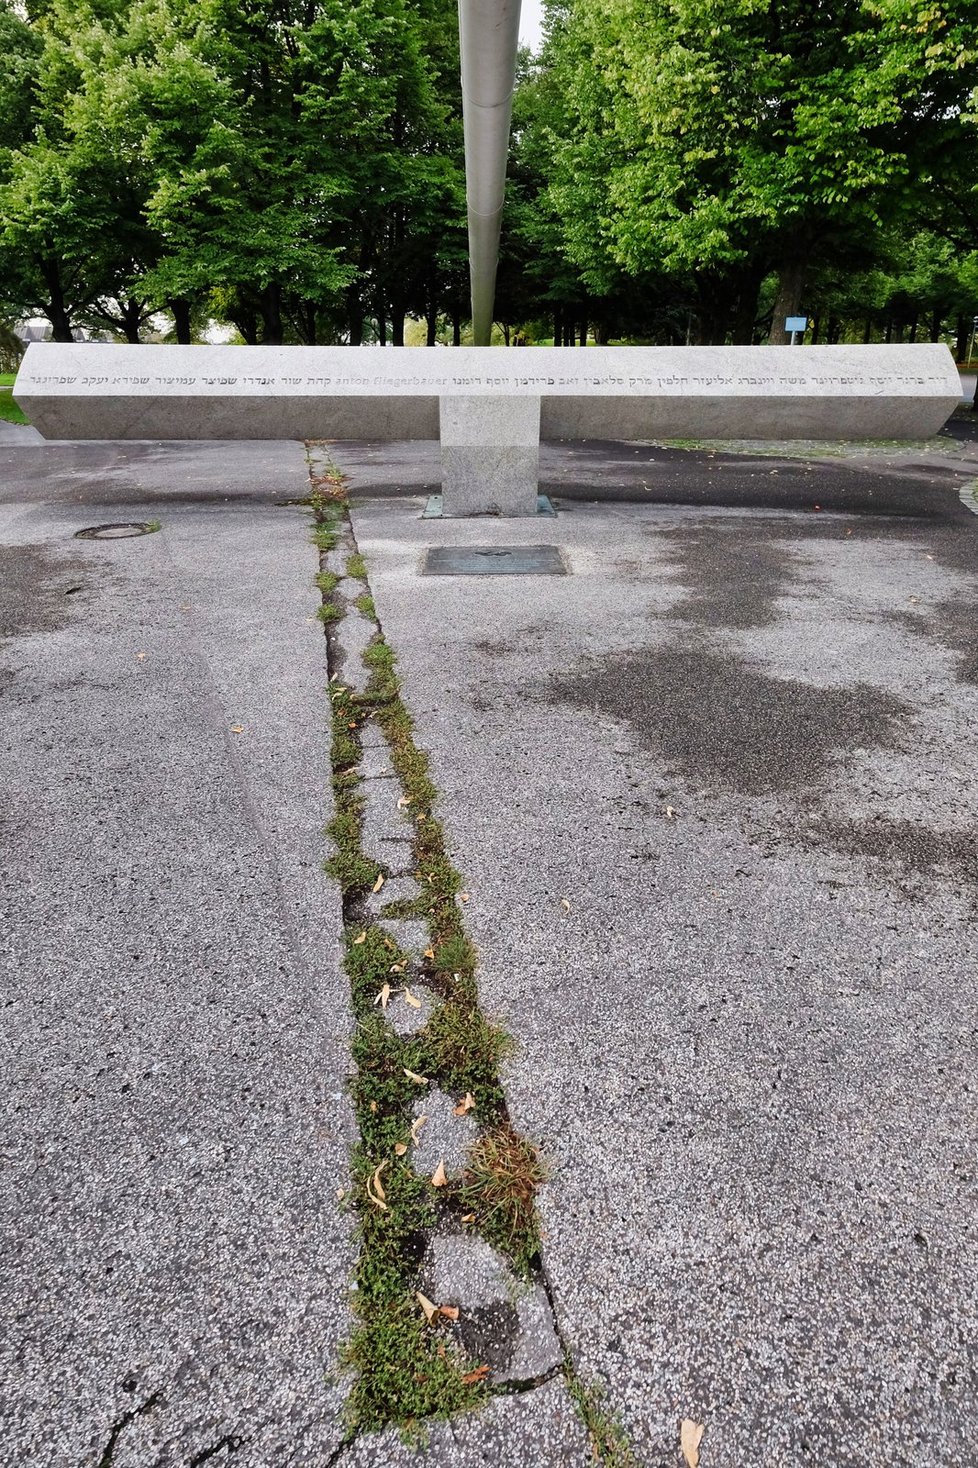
pixel 490 454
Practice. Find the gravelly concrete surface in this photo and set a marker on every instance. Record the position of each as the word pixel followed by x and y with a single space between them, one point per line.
pixel 175 1026
pixel 739 741
pixel 537 1427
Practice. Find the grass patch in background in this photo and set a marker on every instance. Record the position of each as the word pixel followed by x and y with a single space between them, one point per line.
pixel 9 411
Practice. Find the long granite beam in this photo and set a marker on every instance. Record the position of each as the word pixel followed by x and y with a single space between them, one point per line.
pixel 77 390
pixel 486 398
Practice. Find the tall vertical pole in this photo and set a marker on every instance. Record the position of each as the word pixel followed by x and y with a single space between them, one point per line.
pixel 488 36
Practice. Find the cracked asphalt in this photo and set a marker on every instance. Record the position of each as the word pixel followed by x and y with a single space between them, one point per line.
pixel 738 741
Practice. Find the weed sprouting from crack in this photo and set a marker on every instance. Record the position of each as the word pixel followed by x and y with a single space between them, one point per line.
pixel 608 1439
pixel 405 1368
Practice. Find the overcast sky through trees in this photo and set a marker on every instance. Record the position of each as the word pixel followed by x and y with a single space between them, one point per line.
pixel 531 19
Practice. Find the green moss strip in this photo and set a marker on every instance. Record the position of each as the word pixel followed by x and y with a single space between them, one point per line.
pixel 406 1369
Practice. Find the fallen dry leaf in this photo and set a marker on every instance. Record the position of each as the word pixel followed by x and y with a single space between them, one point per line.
pixel 479 1374
pixel 690 1437
pixel 416 1127
pixel 377 1195
pixel 464 896
pixel 419 819
pixel 429 953
pixel 565 904
pixel 237 728
pixel 465 1106
pixel 383 998
pixel 439 1178
pixel 670 813
pixel 373 1106
pixel 404 801
pixel 398 968
pixel 450 1312
pixel 430 1310
pixel 400 1148
pixel 340 1194
pixel 468 1218
pixel 410 998
pixel 140 656
pixel 379 883
pixel 360 938
pixel 412 1075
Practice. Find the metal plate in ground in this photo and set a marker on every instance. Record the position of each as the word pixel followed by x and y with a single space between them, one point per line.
pixel 118 530
pixel 493 560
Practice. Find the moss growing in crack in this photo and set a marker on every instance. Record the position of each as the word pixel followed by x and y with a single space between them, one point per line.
pixel 406 1372
pixel 348 865
pixel 462 1048
pixel 455 954
pixel 330 611
pixel 327 581
pixel 608 1440
pixel 324 537
pixel 501 1179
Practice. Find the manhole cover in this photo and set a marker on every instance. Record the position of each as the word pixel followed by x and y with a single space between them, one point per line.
pixel 119 531
pixel 493 560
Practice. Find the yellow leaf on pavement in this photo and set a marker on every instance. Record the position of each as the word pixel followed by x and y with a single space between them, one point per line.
pixel 439 1178
pixel 690 1437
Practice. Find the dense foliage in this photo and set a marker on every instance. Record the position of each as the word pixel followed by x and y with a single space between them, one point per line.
pixel 681 170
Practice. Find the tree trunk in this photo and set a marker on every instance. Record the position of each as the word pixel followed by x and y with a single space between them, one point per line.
pixel 787 302
pixel 601 333
pixel 56 310
pixel 382 327
pixel 816 327
pixel 745 312
pixel 397 327
pixel 271 316
pixel 935 325
pixel 963 335
pixel 131 321
pixel 431 317
pixel 914 323
pixel 868 330
pixel 181 321
pixel 456 328
pixel 582 339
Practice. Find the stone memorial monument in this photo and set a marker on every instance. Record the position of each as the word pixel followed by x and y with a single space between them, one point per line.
pixel 488 405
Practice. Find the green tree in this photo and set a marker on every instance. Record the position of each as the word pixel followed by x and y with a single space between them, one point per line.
pixel 718 142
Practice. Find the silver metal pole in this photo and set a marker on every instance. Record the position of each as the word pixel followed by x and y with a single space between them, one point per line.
pixel 488 35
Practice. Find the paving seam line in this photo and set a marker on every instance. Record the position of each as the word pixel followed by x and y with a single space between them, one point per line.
pixel 412 1356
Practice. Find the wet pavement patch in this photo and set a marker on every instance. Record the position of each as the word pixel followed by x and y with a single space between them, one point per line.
pixel 734 575
pixel 952 623
pixel 40 591
pixel 717 721
pixel 907 848
pixel 493 560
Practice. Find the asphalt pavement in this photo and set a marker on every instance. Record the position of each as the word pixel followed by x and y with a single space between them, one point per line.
pixel 713 792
